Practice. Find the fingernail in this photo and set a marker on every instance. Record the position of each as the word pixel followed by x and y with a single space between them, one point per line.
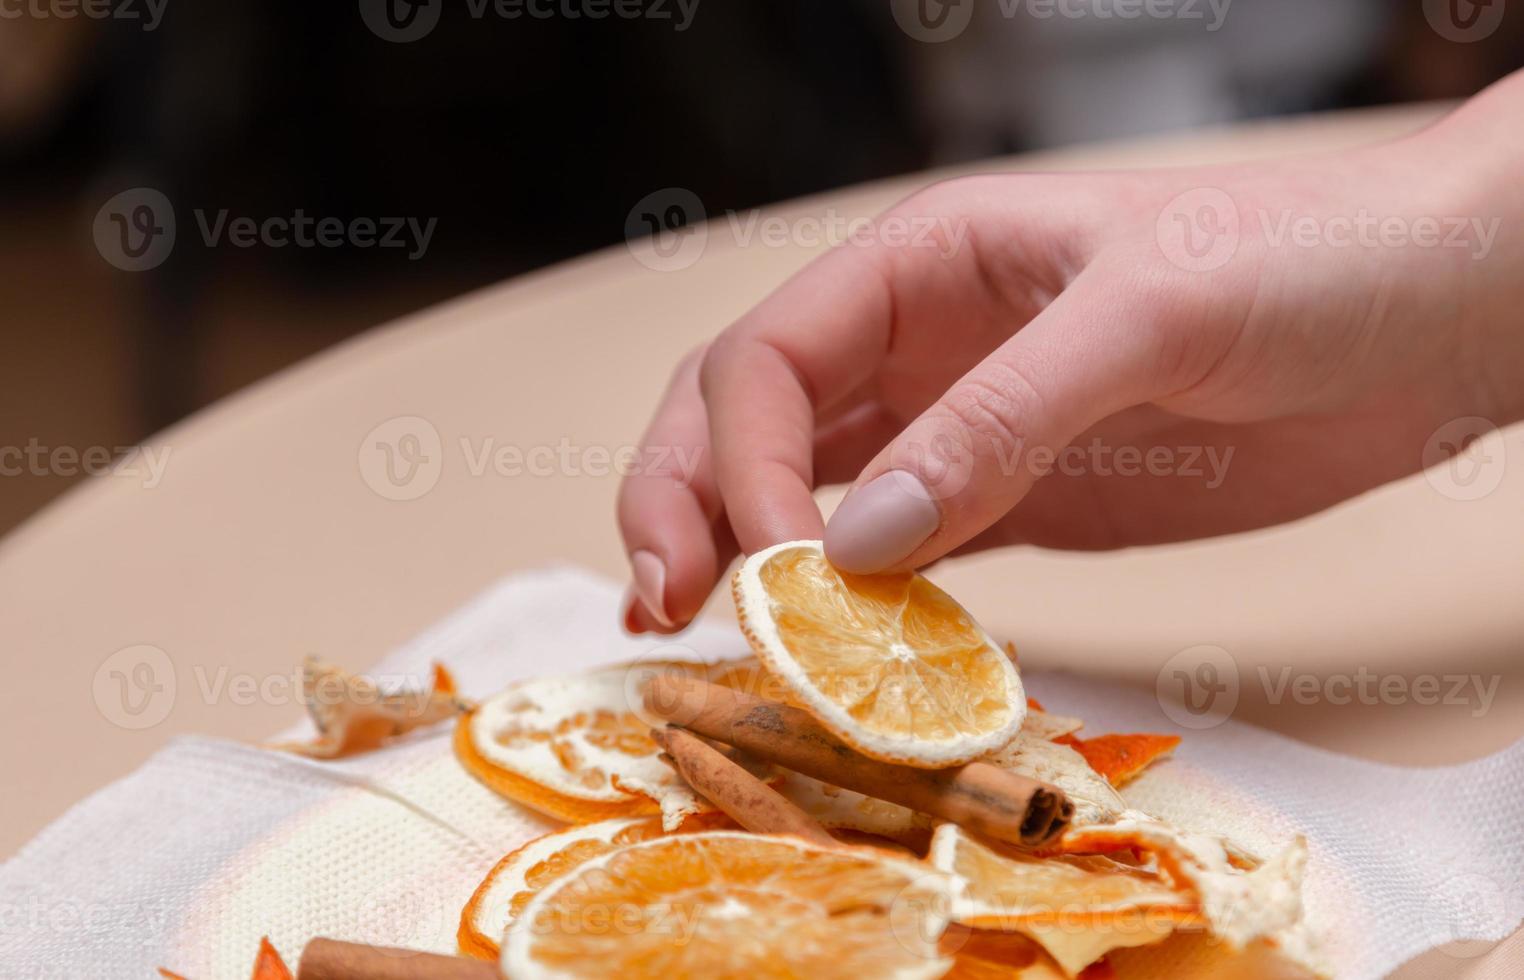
pixel 651 584
pixel 881 523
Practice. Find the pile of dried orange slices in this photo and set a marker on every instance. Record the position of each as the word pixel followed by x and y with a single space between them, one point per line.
pixel 650 880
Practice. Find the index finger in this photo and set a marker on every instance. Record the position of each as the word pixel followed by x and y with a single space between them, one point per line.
pixel 813 342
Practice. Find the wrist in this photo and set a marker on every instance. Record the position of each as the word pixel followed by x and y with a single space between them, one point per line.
pixel 1470 165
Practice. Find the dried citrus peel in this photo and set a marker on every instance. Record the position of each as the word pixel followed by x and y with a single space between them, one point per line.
pixel 267 965
pixel 1238 906
pixel 1077 909
pixel 1120 758
pixel 353 715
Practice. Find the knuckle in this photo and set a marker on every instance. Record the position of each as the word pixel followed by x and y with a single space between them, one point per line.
pixel 1172 317
pixel 997 409
pixel 712 363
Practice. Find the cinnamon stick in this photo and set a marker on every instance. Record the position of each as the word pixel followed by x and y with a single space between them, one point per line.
pixel 979 796
pixel 330 959
pixel 743 797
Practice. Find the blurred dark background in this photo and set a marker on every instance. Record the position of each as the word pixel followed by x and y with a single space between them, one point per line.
pixel 527 139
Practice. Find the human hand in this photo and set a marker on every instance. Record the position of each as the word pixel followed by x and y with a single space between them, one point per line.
pixel 1290 354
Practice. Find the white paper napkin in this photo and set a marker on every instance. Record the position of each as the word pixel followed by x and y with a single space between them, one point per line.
pixel 211 844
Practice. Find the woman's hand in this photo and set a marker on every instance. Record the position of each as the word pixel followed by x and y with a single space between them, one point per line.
pixel 1101 360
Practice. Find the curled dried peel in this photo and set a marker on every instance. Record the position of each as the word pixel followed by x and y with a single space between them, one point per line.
pixel 1076 909
pixel 732 904
pixel 353 715
pixel 578 747
pixel 889 663
pixel 1121 758
pixel 1239 906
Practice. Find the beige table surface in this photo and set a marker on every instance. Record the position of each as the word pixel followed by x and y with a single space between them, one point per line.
pixel 264 542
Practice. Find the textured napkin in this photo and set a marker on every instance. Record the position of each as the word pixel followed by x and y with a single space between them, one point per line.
pixel 211 844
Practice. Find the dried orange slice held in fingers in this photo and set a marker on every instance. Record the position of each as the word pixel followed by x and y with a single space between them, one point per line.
pixel 890 663
pixel 727 904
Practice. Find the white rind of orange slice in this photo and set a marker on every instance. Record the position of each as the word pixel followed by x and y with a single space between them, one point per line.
pixel 510 884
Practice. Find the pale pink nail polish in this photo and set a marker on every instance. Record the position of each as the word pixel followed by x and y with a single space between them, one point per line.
pixel 651 583
pixel 881 523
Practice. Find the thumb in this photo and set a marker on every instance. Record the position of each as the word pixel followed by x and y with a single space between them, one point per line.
pixel 970 457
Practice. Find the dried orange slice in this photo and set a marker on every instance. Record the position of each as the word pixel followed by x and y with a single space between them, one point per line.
pixel 1076 908
pixel 578 747
pixel 727 904
pixel 520 875
pixel 1120 758
pixel 890 663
